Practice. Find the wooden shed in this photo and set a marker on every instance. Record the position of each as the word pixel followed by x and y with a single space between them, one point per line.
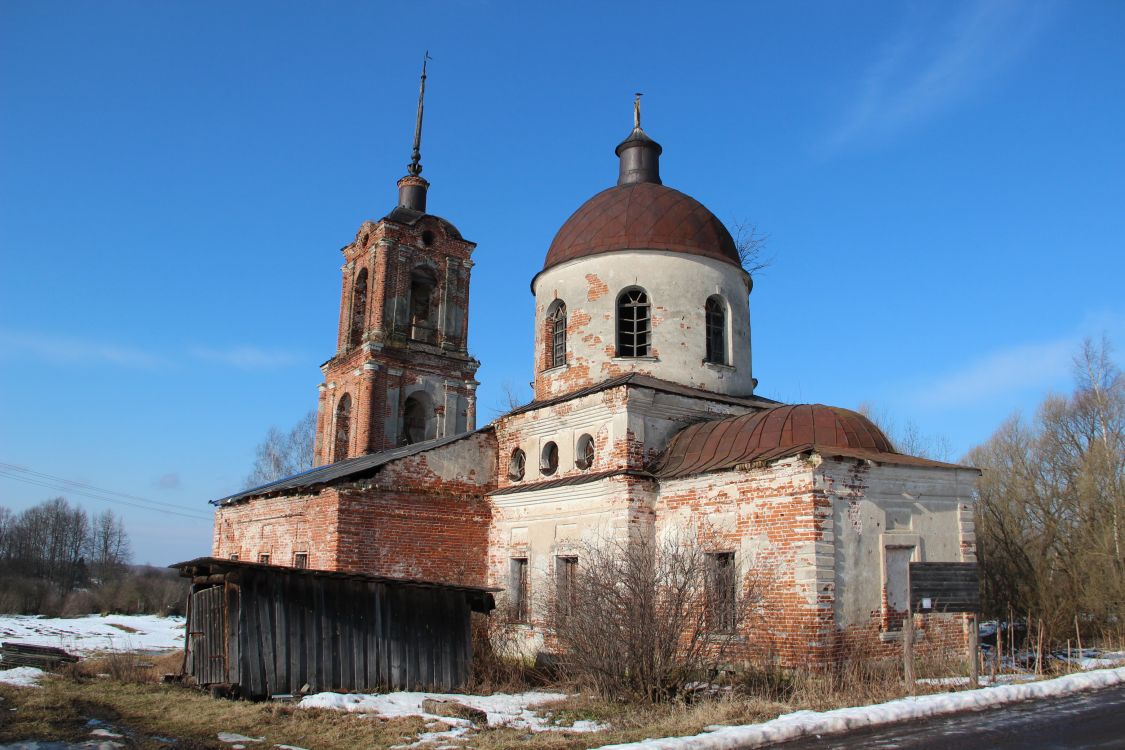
pixel 259 630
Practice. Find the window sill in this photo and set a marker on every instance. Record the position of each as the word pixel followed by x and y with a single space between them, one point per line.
pixel 635 359
pixel 553 370
pixel 724 638
pixel 719 366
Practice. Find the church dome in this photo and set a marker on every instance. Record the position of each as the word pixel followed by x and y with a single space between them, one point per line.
pixel 642 216
pixel 772 434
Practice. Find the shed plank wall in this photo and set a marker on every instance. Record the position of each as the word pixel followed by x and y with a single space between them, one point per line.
pixel 286 632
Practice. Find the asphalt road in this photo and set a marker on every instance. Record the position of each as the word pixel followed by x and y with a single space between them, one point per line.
pixel 1085 720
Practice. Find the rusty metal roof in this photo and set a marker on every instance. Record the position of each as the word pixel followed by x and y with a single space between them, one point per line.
pixel 776 433
pixel 647 381
pixel 642 215
pixel 349 468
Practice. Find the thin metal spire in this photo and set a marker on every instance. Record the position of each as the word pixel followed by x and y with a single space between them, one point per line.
pixel 637 111
pixel 415 167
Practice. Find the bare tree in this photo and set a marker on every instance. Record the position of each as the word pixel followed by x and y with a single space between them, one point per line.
pixel 283 454
pixel 642 619
pixel 1050 502
pixel 512 399
pixel 909 439
pixel 109 546
pixel 751 245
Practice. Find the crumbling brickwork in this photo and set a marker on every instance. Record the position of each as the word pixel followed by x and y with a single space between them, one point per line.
pixel 412 282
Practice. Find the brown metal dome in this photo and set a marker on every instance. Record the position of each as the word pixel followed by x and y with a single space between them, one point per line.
pixel 642 215
pixel 775 433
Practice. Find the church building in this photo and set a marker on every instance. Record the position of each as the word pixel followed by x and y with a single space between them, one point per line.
pixel 645 422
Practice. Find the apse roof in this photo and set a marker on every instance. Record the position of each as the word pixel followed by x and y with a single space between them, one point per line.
pixel 776 433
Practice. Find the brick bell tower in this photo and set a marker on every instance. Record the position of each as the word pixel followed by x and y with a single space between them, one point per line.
pixel 402 372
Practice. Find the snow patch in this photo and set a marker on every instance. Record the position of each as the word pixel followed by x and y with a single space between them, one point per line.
pixel 233 737
pixel 802 723
pixel 503 709
pixel 94 633
pixel 22 676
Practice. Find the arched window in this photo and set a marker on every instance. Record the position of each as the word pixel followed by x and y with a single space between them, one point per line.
pixel 556 334
pixel 633 324
pixel 584 454
pixel 359 309
pixel 516 465
pixel 343 428
pixel 715 312
pixel 418 423
pixel 549 459
pixel 422 283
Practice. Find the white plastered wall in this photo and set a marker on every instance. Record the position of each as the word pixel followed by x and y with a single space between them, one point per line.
pixel 925 511
pixel 678 285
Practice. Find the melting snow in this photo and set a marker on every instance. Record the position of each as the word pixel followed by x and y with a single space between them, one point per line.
pixel 87 635
pixel 22 676
pixel 503 709
pixel 803 723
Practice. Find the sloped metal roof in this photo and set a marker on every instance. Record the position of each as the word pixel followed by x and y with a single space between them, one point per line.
pixel 350 468
pixel 655 384
pixel 779 432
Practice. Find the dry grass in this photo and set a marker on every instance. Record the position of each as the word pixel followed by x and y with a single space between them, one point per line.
pixel 124 691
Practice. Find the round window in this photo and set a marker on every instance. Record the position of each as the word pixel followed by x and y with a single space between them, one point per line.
pixel 584 455
pixel 549 460
pixel 516 465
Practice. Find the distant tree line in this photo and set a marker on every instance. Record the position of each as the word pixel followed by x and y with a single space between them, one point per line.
pixel 1051 504
pixel 56 559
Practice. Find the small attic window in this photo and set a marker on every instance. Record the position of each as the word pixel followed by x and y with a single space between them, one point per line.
pixel 427 238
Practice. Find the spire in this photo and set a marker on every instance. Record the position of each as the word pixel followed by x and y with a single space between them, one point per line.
pixel 639 154
pixel 412 187
pixel 415 167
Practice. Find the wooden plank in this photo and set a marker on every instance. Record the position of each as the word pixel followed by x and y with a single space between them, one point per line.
pixel 372 637
pixel 235 625
pixel 251 643
pixel 359 629
pixel 265 617
pixel 280 641
pixel 344 625
pixel 296 627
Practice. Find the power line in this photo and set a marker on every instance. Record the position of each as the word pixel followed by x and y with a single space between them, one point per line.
pixel 49 481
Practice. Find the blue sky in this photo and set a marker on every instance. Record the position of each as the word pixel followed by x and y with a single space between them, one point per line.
pixel 942 183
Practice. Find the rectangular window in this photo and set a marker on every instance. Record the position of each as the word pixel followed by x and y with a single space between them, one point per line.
pixel 518 589
pixel 234 556
pixel 264 558
pixel 722 592
pixel 565 570
pixel 896 585
pixel 301 560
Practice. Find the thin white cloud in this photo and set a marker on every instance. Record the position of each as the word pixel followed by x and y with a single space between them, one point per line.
pixel 69 350
pixel 932 64
pixel 1018 368
pixel 245 357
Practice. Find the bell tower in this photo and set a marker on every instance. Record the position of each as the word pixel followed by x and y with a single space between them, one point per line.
pixel 402 372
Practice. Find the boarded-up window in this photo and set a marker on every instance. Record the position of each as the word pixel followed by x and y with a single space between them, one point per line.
pixel 264 558
pixel 633 324
pixel 301 560
pixel 897 585
pixel 566 567
pixel 518 586
pixel 721 592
